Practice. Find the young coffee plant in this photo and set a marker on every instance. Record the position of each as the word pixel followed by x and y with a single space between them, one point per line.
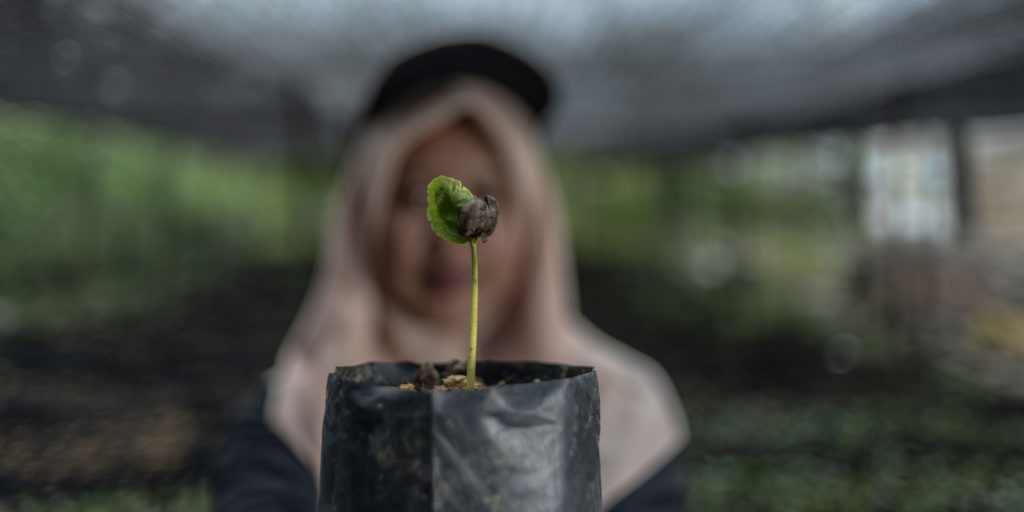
pixel 458 216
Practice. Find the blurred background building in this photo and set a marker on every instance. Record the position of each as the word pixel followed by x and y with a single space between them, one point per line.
pixel 812 207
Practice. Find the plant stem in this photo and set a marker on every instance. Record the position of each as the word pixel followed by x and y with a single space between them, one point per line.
pixel 471 358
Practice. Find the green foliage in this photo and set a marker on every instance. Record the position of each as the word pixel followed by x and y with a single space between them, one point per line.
pixel 186 498
pixel 932 447
pixel 102 219
pixel 445 199
pixel 745 250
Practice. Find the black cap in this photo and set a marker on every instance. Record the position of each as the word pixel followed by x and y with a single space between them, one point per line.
pixel 433 69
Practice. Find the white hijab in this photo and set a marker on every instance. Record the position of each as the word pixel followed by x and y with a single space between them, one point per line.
pixel 344 316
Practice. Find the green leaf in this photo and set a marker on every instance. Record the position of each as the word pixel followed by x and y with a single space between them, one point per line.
pixel 445 199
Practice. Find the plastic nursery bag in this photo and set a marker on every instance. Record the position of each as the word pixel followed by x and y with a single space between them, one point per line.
pixel 529 443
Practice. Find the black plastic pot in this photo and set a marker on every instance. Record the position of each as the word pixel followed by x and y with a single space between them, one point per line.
pixel 527 445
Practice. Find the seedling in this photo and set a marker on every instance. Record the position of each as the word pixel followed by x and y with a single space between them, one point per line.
pixel 458 216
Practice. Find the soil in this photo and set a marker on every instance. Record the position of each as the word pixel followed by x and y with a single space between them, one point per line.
pixel 139 401
pixel 430 378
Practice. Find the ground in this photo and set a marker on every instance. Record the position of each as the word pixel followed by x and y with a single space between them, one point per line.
pixel 132 408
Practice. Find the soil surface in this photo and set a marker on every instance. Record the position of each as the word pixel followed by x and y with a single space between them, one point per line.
pixel 141 400
pixel 448 378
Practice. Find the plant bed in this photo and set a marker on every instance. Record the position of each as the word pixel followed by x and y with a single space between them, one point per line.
pixel 529 443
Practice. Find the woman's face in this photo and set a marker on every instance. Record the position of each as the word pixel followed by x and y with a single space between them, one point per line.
pixel 428 275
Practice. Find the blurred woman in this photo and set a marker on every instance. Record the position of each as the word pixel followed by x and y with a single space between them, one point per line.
pixel 387 288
